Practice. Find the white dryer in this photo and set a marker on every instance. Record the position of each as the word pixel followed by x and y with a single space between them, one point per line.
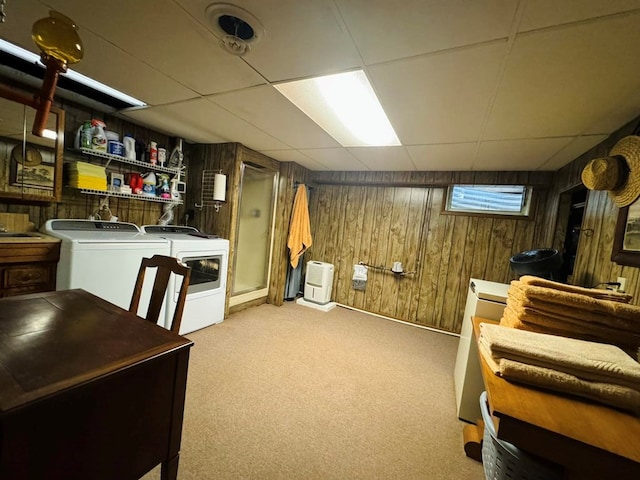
pixel 104 258
pixel 208 257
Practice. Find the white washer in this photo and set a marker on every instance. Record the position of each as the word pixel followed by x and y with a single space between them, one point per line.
pixel 104 258
pixel 208 257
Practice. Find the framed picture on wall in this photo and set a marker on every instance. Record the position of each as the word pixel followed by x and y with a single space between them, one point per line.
pixel 29 169
pixel 626 243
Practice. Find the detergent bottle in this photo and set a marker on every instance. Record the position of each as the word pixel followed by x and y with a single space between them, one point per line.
pixel 149 184
pixel 98 136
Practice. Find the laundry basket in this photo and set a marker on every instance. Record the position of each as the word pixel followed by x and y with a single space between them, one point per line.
pixel 504 461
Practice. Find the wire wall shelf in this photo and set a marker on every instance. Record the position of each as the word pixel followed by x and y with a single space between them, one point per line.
pixel 117 158
pixel 146 198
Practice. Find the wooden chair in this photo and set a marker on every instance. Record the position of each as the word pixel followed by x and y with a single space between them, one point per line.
pixel 164 265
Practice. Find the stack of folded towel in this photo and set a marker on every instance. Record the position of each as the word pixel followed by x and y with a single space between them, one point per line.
pixel 86 176
pixel 545 306
pixel 597 371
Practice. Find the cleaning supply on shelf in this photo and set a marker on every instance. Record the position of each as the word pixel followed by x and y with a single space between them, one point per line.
pixel 153 153
pixel 162 189
pixel 129 147
pixel 135 182
pixel 98 136
pixel 162 156
pixel 112 136
pixel 149 184
pixel 83 136
pixel 115 148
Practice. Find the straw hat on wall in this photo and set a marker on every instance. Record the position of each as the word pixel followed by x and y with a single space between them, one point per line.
pixel 619 173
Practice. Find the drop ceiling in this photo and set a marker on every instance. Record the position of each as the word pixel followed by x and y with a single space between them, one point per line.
pixel 468 85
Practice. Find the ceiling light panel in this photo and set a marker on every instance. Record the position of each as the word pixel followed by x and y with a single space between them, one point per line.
pixel 345 106
pixel 258 106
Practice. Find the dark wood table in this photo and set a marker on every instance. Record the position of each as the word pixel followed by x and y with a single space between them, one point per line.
pixel 590 440
pixel 87 390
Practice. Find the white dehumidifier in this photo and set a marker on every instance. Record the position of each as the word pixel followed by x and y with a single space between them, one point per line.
pixel 318 282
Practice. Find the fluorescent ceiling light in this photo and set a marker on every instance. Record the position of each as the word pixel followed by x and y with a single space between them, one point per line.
pixel 28 56
pixel 345 106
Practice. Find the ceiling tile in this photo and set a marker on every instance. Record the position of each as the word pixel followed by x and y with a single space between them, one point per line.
pixel 572 150
pixel 309 32
pixel 202 121
pixel 439 98
pixel 338 159
pixel 157 88
pixel 121 71
pixel 271 112
pixel 385 30
pixel 608 121
pixel 558 82
pixel 383 158
pixel 515 155
pixel 449 74
pixel 546 13
pixel 19 19
pixel 294 156
pixel 452 156
pixel 169 119
pixel 162 34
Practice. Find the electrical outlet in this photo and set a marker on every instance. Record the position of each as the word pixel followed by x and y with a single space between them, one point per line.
pixel 623 284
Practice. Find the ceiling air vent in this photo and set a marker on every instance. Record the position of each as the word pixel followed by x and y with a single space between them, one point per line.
pixel 237 29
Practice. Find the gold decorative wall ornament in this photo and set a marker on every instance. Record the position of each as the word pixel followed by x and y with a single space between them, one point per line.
pixel 60 45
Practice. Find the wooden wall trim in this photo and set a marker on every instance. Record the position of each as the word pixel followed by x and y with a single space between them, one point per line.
pixel 431 179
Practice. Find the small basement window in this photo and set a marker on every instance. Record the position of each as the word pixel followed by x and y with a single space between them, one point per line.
pixel 489 199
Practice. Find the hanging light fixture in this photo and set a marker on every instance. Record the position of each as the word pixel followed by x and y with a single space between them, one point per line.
pixel 60 45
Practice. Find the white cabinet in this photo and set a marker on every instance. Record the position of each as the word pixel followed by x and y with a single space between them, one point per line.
pixel 487 300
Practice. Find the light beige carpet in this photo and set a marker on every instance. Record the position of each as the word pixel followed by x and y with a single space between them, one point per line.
pixel 295 393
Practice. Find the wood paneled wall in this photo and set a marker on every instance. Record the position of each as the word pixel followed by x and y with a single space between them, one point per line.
pixel 593 261
pixel 381 217
pixel 290 173
pixel 228 158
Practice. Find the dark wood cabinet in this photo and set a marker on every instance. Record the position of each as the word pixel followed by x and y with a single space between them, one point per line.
pixel 28 266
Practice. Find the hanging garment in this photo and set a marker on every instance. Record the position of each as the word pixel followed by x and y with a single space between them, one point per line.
pixel 299 229
pixel 293 285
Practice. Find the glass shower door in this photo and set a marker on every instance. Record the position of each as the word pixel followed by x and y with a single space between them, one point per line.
pixel 254 234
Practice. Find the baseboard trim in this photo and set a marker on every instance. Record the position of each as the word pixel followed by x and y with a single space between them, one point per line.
pixel 444 332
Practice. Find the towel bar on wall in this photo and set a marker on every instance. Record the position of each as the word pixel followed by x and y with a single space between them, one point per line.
pixel 382 268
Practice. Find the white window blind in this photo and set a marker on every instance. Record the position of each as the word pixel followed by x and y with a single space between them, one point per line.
pixel 490 199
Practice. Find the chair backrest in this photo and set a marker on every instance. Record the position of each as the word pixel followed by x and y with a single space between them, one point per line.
pixel 165 266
